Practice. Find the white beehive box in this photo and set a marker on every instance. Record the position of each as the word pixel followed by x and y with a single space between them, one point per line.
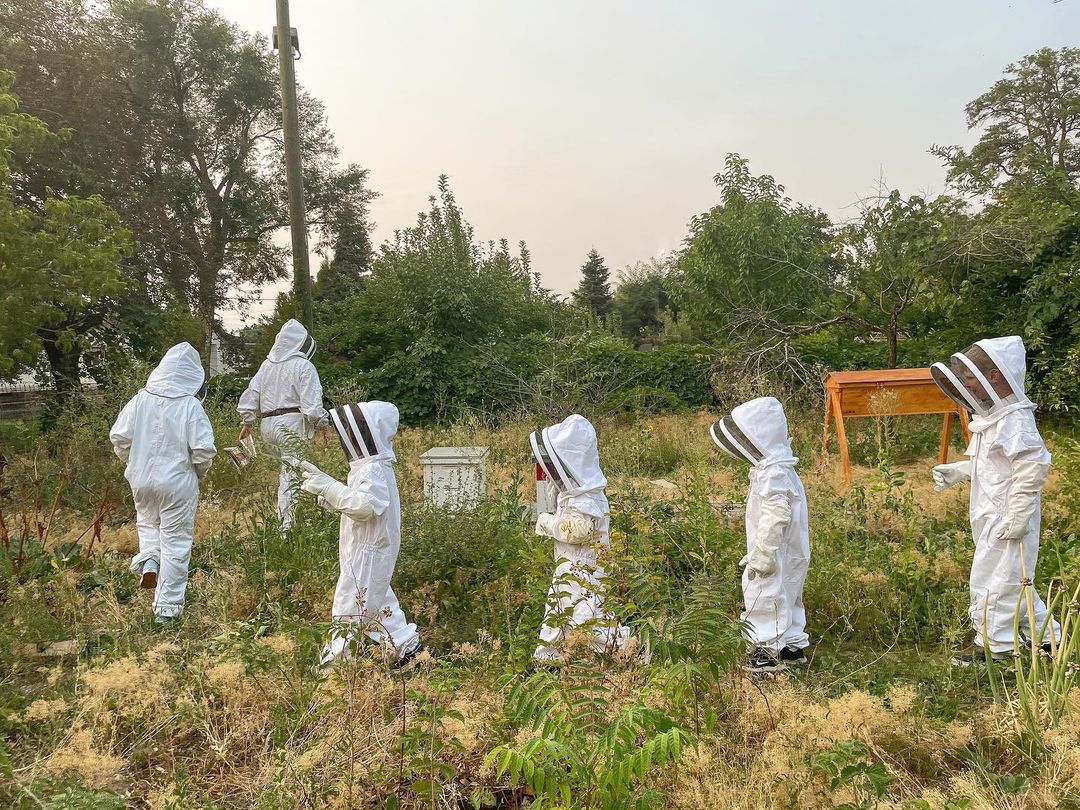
pixel 455 477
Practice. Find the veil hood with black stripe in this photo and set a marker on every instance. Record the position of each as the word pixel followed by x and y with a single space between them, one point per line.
pixel 755 432
pixel 366 430
pixel 293 340
pixel 567 451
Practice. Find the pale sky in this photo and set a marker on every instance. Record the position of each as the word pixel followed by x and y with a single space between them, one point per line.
pixel 601 123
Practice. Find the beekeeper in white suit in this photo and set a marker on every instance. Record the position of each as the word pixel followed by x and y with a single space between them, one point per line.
pixel 287 396
pixel 1007 463
pixel 165 437
pixel 568 455
pixel 369 534
pixel 777 534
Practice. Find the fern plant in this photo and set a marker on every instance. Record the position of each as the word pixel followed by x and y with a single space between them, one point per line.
pixel 579 755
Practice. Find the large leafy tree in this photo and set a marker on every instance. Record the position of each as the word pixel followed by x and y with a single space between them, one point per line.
pixel 641 298
pixel 193 123
pixel 1018 266
pixel 59 262
pixel 1030 122
pixel 755 270
pixel 891 260
pixel 436 301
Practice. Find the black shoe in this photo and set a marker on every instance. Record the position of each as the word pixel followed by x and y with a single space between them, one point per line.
pixel 793 656
pixel 1046 649
pixel 545 665
pixel 403 663
pixel 760 661
pixel 977 657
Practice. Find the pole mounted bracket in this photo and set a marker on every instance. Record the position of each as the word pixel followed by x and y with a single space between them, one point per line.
pixel 294 38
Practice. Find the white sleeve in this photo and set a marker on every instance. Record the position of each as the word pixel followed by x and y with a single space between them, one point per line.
pixel 368 498
pixel 201 440
pixel 311 395
pixel 774 520
pixel 122 432
pixel 248 407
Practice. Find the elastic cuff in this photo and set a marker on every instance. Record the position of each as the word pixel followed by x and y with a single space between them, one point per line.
pixel 168 610
pixel 139 559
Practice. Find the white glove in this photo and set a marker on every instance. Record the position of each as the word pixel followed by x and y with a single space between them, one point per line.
pixel 576 528
pixel 334 495
pixel 775 518
pixel 547 525
pixel 1027 481
pixel 949 475
pixel 315 481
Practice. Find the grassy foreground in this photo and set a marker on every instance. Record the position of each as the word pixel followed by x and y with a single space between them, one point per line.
pixel 100 710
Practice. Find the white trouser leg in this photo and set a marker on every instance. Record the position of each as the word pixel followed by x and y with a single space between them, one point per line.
pixel 288 486
pixel 577 588
pixel 394 628
pixel 794 579
pixel 147 523
pixel 362 592
pixel 997 592
pixel 177 530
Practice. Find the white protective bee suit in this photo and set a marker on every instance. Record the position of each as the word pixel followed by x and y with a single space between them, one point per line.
pixel 1007 465
pixel 165 437
pixel 370 529
pixel 777 525
pixel 568 454
pixel 287 396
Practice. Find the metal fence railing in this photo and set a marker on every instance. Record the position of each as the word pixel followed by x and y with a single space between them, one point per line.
pixel 22 400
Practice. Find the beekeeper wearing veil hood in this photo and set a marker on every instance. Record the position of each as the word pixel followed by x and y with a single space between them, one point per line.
pixel 369 534
pixel 167 442
pixel 287 396
pixel 1007 464
pixel 579 526
pixel 777 534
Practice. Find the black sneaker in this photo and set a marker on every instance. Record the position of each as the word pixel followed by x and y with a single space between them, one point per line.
pixel 977 657
pixel 403 663
pixel 793 656
pixel 1046 649
pixel 760 661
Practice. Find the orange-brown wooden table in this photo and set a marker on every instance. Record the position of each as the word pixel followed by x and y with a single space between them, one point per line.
pixel 889 392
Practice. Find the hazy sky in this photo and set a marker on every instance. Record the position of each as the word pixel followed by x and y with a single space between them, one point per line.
pixel 600 123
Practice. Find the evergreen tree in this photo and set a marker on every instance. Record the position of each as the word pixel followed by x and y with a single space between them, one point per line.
pixel 344 274
pixel 594 292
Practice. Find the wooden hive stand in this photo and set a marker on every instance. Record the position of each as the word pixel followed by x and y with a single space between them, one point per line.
pixel 889 392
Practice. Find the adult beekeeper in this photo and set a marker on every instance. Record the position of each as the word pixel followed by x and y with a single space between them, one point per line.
pixel 369 534
pixel 167 442
pixel 568 455
pixel 777 534
pixel 1007 463
pixel 287 396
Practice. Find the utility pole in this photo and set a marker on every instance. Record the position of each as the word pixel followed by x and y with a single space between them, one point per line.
pixel 285 39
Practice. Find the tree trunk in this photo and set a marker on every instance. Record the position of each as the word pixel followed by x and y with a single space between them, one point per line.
pixel 893 339
pixel 64 371
pixel 207 313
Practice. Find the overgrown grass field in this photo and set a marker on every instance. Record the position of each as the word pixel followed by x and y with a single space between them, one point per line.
pixel 98 709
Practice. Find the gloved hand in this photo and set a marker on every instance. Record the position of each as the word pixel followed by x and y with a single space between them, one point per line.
pixel 547 525
pixel 315 481
pixel 1027 480
pixel 949 475
pixel 758 564
pixel 576 528
pixel 334 495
